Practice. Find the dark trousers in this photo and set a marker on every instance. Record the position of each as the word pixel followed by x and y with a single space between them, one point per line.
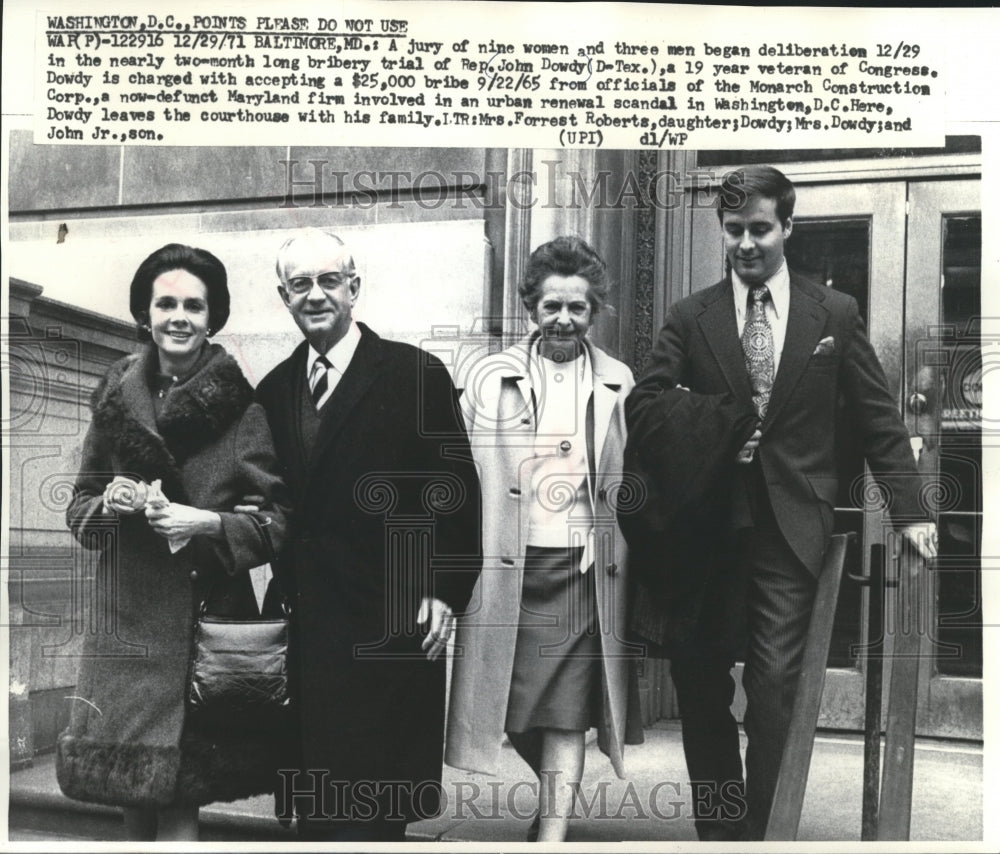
pixel 779 594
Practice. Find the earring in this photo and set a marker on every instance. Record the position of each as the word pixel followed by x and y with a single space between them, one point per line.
pixel 210 332
pixel 145 327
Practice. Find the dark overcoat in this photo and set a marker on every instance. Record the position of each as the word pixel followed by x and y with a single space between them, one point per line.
pixel 828 371
pixel 682 456
pixel 129 741
pixel 828 375
pixel 387 511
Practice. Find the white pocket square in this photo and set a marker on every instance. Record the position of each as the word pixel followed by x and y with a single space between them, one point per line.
pixel 825 347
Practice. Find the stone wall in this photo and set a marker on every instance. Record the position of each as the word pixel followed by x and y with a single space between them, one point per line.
pixel 56 355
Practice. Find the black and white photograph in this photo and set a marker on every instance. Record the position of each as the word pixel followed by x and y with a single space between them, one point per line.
pixel 332 468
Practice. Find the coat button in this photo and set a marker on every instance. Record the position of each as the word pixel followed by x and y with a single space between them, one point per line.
pixel 194 575
pixel 565 446
pixel 612 569
pixel 602 493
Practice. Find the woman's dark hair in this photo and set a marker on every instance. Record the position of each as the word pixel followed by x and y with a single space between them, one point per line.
pixel 176 256
pixel 565 256
pixel 741 185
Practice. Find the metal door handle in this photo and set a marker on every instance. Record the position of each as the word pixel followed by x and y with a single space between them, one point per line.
pixel 917 403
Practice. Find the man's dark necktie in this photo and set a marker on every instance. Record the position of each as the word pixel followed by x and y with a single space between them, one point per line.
pixel 320 382
pixel 758 349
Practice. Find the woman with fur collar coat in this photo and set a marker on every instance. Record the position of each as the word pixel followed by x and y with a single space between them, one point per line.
pixel 181 412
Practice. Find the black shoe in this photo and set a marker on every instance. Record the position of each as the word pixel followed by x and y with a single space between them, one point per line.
pixel 533 830
pixel 719 831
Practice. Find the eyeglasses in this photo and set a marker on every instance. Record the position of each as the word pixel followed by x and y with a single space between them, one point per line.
pixel 327 281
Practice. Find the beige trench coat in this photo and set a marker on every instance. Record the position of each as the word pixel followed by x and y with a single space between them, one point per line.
pixel 500 419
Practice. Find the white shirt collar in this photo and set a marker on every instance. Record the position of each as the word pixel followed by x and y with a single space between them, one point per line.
pixel 778 285
pixel 340 354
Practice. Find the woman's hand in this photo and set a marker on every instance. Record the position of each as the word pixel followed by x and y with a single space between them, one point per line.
pixel 181 522
pixel 124 495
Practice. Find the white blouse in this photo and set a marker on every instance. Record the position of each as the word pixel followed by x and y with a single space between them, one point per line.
pixel 560 512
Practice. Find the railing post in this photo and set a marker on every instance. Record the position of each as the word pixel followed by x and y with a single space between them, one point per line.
pixel 789 794
pixel 874 652
pixel 901 723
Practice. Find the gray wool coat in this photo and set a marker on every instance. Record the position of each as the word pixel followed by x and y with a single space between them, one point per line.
pixel 129 742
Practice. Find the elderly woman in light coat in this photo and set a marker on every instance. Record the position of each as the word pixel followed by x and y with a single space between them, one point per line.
pixel 540 653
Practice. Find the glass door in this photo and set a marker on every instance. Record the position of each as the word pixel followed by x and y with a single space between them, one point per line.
pixel 852 237
pixel 944 396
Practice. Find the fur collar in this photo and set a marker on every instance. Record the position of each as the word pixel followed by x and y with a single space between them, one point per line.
pixel 196 413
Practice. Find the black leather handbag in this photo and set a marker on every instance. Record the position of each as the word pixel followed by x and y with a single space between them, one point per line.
pixel 239 668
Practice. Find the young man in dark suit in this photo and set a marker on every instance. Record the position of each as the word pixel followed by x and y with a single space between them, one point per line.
pixel 788 351
pixel 383 550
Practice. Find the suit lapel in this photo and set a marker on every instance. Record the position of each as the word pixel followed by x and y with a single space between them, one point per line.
pixel 806 321
pixel 292 390
pixel 718 322
pixel 365 367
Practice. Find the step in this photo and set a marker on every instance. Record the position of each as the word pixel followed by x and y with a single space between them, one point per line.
pixel 947 800
pixel 38 807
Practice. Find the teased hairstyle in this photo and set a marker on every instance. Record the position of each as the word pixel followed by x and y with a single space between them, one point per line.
pixel 565 256
pixel 747 182
pixel 176 256
pixel 311 234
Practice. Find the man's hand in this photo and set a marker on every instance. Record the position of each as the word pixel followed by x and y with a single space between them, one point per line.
pixel 442 621
pixel 923 538
pixel 745 455
pixel 249 504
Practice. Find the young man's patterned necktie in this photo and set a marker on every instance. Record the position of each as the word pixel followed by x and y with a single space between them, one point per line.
pixel 758 349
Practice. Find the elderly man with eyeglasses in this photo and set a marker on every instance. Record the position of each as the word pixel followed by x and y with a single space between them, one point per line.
pixel 384 550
